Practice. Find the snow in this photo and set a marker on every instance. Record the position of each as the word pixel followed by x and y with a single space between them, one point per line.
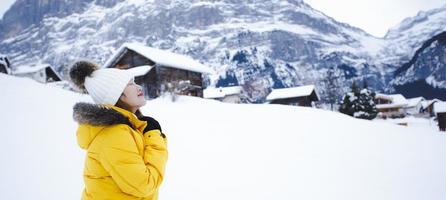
pixel 390 105
pixel 440 107
pixel 226 151
pixel 211 93
pixel 140 70
pixel 161 57
pixel 413 102
pixel 30 69
pixel 284 93
pixel 422 124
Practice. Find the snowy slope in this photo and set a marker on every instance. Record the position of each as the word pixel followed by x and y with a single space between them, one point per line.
pixel 240 152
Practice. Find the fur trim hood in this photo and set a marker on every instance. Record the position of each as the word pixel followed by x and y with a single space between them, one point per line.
pixel 98 115
pixel 93 118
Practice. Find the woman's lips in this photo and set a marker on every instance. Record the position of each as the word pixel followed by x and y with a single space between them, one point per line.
pixel 140 94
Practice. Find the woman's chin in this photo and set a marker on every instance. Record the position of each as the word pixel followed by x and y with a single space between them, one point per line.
pixel 143 103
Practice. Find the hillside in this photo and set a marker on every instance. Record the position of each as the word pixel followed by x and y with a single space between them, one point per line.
pixel 225 151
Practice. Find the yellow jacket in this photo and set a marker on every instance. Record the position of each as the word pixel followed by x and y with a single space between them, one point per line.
pixel 121 162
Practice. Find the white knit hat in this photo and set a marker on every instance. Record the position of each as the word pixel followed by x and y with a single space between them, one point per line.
pixel 105 86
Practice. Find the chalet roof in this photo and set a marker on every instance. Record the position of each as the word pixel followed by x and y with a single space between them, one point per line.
pixel 211 93
pixel 440 107
pixel 390 105
pixel 160 57
pixel 394 98
pixel 397 101
pixel 412 102
pixel 427 103
pixel 284 93
pixel 25 69
pixel 140 70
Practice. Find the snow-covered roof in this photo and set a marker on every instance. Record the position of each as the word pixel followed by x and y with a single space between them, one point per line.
pixel 30 69
pixel 140 70
pixel 394 98
pixel 390 105
pixel 160 57
pixel 412 102
pixel 397 100
pixel 211 93
pixel 284 93
pixel 427 103
pixel 440 107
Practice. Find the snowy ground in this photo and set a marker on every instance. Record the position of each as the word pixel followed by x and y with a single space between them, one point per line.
pixel 226 151
pixel 423 124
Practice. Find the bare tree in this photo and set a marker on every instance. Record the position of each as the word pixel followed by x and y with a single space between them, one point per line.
pixel 332 86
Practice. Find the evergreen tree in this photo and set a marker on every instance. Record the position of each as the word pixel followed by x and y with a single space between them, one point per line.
pixel 359 103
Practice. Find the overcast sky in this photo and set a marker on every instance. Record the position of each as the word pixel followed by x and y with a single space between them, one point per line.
pixel 373 16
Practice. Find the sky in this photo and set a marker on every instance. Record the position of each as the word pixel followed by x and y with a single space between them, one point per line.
pixel 373 16
pixel 4 6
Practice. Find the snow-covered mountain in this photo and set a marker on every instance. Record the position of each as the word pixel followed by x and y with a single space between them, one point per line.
pixel 425 73
pixel 408 36
pixel 269 44
pixel 419 44
pixel 226 151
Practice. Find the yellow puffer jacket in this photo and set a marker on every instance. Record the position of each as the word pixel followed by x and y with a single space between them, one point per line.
pixel 121 162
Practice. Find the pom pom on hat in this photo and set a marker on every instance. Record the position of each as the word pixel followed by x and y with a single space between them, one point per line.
pixel 80 70
pixel 105 86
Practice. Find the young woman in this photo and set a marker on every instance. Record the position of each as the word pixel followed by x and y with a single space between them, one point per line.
pixel 126 151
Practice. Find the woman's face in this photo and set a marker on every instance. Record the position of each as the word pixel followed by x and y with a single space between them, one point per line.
pixel 133 96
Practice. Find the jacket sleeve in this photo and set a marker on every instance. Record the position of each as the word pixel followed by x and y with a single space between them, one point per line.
pixel 120 157
pixel 155 151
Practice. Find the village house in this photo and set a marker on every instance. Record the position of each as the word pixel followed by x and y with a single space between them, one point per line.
pixel 224 94
pixel 414 106
pixel 159 71
pixel 297 96
pixel 440 112
pixel 391 105
pixel 5 66
pixel 42 73
pixel 427 107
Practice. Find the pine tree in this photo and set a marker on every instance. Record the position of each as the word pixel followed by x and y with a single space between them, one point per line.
pixel 359 103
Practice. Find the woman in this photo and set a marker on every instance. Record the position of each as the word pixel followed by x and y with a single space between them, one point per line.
pixel 126 152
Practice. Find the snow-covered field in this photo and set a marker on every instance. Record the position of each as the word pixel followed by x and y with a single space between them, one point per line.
pixel 225 151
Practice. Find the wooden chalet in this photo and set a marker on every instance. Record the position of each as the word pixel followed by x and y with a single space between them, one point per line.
pixel 440 111
pixel 224 94
pixel 427 107
pixel 158 70
pixel 42 73
pixel 415 106
pixel 297 96
pixel 391 105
